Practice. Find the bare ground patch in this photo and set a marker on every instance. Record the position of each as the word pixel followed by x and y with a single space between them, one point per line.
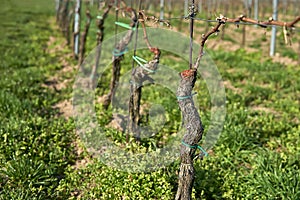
pixel 265 110
pixel 228 85
pixel 62 79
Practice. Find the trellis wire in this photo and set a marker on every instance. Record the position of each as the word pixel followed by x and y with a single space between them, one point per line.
pixel 237 23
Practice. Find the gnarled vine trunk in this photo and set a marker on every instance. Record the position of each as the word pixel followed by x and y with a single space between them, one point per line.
pixel 118 56
pixel 100 36
pixel 138 77
pixel 194 130
pixel 84 37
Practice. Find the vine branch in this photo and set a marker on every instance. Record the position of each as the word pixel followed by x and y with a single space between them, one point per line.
pixel 154 19
pixel 221 20
pixel 264 24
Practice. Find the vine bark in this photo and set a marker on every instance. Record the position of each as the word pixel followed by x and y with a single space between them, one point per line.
pixel 118 57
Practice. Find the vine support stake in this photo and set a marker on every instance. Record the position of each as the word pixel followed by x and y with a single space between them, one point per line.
pixel 186 7
pixel 256 10
pixel 161 17
pixel 191 15
pixel 77 28
pixel 273 37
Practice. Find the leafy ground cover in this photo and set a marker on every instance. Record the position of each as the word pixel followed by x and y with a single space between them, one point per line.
pixel 257 156
pixel 36 146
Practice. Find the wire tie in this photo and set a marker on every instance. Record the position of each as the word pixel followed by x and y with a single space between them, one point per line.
pixel 139 60
pixel 124 25
pixel 195 147
pixel 117 52
pixel 186 97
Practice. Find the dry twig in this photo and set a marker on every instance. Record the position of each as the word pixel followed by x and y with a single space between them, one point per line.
pixel 264 24
pixel 215 29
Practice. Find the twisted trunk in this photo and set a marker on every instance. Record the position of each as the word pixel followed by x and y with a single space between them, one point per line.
pixel 100 35
pixel 84 37
pixel 138 77
pixel 118 56
pixel 194 130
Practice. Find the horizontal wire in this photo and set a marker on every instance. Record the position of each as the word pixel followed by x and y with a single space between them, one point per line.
pixel 237 23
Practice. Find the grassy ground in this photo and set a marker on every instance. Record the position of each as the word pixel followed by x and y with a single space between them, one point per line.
pixel 36 146
pixel 257 156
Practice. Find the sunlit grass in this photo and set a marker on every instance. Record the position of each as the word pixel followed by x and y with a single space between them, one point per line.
pixel 257 156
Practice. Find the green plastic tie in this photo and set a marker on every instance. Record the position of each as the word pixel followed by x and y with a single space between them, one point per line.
pixel 117 52
pixel 186 97
pixel 139 60
pixel 124 25
pixel 195 147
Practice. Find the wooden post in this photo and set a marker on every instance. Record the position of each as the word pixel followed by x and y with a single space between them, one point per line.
pixel 226 7
pixel 63 14
pixel 68 22
pixel 256 9
pixel 192 14
pixel 100 35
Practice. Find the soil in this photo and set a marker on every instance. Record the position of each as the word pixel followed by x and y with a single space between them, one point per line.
pixel 58 82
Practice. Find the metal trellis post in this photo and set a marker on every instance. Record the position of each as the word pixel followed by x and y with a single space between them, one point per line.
pixel 256 10
pixel 273 37
pixel 77 28
pixel 186 7
pixel 200 6
pixel 161 11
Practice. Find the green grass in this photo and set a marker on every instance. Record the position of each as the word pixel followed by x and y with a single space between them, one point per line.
pixel 257 156
pixel 36 146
